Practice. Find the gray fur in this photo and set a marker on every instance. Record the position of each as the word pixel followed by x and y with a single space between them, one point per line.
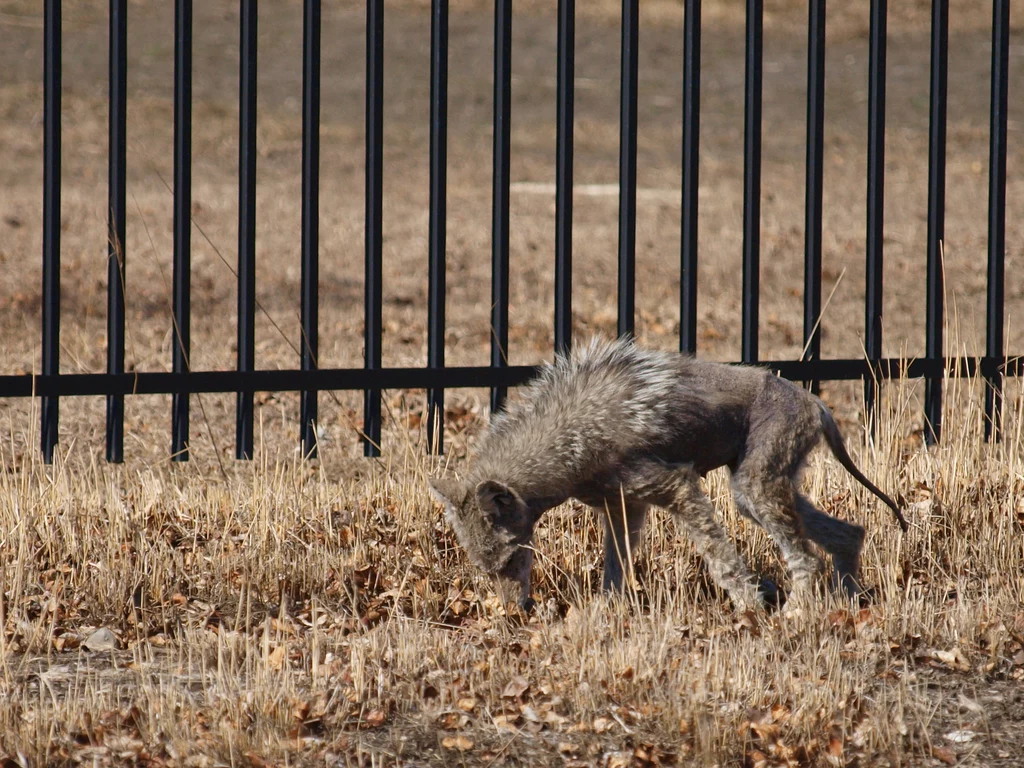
pixel 614 423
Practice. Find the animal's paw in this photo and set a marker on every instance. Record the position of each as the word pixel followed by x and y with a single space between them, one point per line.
pixel 771 597
pixel 527 604
pixel 867 596
pixel 518 613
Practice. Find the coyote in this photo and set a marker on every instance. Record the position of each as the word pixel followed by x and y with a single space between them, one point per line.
pixel 621 428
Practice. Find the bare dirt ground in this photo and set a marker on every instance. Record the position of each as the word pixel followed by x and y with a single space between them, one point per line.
pixel 310 612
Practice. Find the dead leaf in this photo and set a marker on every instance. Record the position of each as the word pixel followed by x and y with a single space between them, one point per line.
pixel 466 704
pixel 747 620
pixel 256 761
pixel 835 746
pixel 953 658
pixel 452 721
pixel 945 754
pixel 970 704
pixel 375 718
pixel 101 640
pixel 961 736
pixel 459 742
pixel 530 713
pixel 553 718
pixel 276 658
pixel 516 687
pixel 841 619
pixel 506 722
pixel 300 710
pixel 603 724
pixel 67 642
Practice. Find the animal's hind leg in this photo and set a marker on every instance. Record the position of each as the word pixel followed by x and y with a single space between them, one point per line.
pixel 839 538
pixel 772 503
pixel 619 549
pixel 678 490
pixel 785 427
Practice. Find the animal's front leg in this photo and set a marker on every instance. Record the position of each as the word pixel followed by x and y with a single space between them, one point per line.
pixel 618 548
pixel 514 579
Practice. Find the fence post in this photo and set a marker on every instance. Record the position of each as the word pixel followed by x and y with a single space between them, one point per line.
pixel 875 205
pixel 182 300
pixel 310 219
pixel 815 150
pixel 500 196
pixel 563 174
pixel 116 250
pixel 373 298
pixel 936 214
pixel 997 215
pixel 437 234
pixel 246 224
pixel 691 178
pixel 627 166
pixel 51 220
pixel 752 180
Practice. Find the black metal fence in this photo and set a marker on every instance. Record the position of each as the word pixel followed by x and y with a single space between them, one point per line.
pixel 373 377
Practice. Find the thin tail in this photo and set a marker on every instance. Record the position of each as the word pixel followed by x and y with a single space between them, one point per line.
pixel 834 438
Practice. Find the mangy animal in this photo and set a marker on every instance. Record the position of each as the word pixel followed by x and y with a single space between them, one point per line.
pixel 620 428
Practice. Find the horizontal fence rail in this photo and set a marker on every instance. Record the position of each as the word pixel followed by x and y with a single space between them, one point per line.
pixel 158 383
pixel 374 376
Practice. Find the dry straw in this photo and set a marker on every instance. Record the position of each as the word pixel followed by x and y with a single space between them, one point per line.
pixel 282 612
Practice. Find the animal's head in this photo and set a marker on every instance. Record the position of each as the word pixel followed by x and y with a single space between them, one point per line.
pixel 492 523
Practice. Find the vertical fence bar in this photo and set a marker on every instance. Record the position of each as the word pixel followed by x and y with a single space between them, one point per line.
pixel 246 224
pixel 815 150
pixel 936 213
pixel 691 178
pixel 752 181
pixel 875 200
pixel 500 197
pixel 51 220
pixel 563 173
pixel 182 300
pixel 627 166
pixel 437 234
pixel 373 299
pixel 997 213
pixel 310 218
pixel 116 281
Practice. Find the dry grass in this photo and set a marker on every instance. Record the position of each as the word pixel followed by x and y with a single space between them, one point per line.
pixel 283 612
pixel 278 613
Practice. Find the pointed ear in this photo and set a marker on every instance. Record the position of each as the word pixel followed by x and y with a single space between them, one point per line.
pixel 449 492
pixel 497 498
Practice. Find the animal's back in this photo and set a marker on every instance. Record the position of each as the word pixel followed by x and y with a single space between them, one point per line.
pixel 607 400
